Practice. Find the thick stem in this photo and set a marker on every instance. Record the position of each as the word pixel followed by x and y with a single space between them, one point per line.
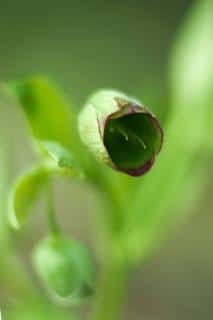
pixel 111 292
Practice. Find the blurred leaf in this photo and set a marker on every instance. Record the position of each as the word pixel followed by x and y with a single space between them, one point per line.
pixel 27 187
pixel 47 111
pixel 158 194
pixel 192 72
pixel 24 194
pixel 52 123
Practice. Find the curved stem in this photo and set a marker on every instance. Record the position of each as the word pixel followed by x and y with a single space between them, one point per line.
pixel 51 216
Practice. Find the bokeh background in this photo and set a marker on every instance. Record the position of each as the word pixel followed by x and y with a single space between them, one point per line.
pixel 85 45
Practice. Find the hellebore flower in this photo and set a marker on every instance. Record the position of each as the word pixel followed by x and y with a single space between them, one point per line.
pixel 120 132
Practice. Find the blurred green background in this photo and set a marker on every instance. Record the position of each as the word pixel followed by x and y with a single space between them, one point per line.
pixel 86 45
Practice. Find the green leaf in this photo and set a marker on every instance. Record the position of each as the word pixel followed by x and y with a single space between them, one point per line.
pixel 160 193
pixel 63 160
pixel 47 111
pixel 58 160
pixel 51 121
pixel 191 72
pixel 53 125
pixel 24 193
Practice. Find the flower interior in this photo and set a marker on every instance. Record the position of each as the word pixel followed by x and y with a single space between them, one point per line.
pixel 132 140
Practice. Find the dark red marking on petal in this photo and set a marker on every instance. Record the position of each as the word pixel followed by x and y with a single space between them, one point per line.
pixel 137 172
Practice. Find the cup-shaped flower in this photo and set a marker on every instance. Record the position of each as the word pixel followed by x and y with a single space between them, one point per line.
pixel 121 132
pixel 64 266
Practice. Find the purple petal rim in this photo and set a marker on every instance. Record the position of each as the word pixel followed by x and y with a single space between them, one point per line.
pixel 137 172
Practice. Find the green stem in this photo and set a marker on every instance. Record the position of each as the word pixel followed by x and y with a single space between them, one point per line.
pixel 51 216
pixel 111 292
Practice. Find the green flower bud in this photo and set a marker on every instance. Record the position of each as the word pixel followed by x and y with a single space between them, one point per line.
pixel 64 266
pixel 121 132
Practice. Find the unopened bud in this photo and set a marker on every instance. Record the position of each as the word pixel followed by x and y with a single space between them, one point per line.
pixel 64 267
